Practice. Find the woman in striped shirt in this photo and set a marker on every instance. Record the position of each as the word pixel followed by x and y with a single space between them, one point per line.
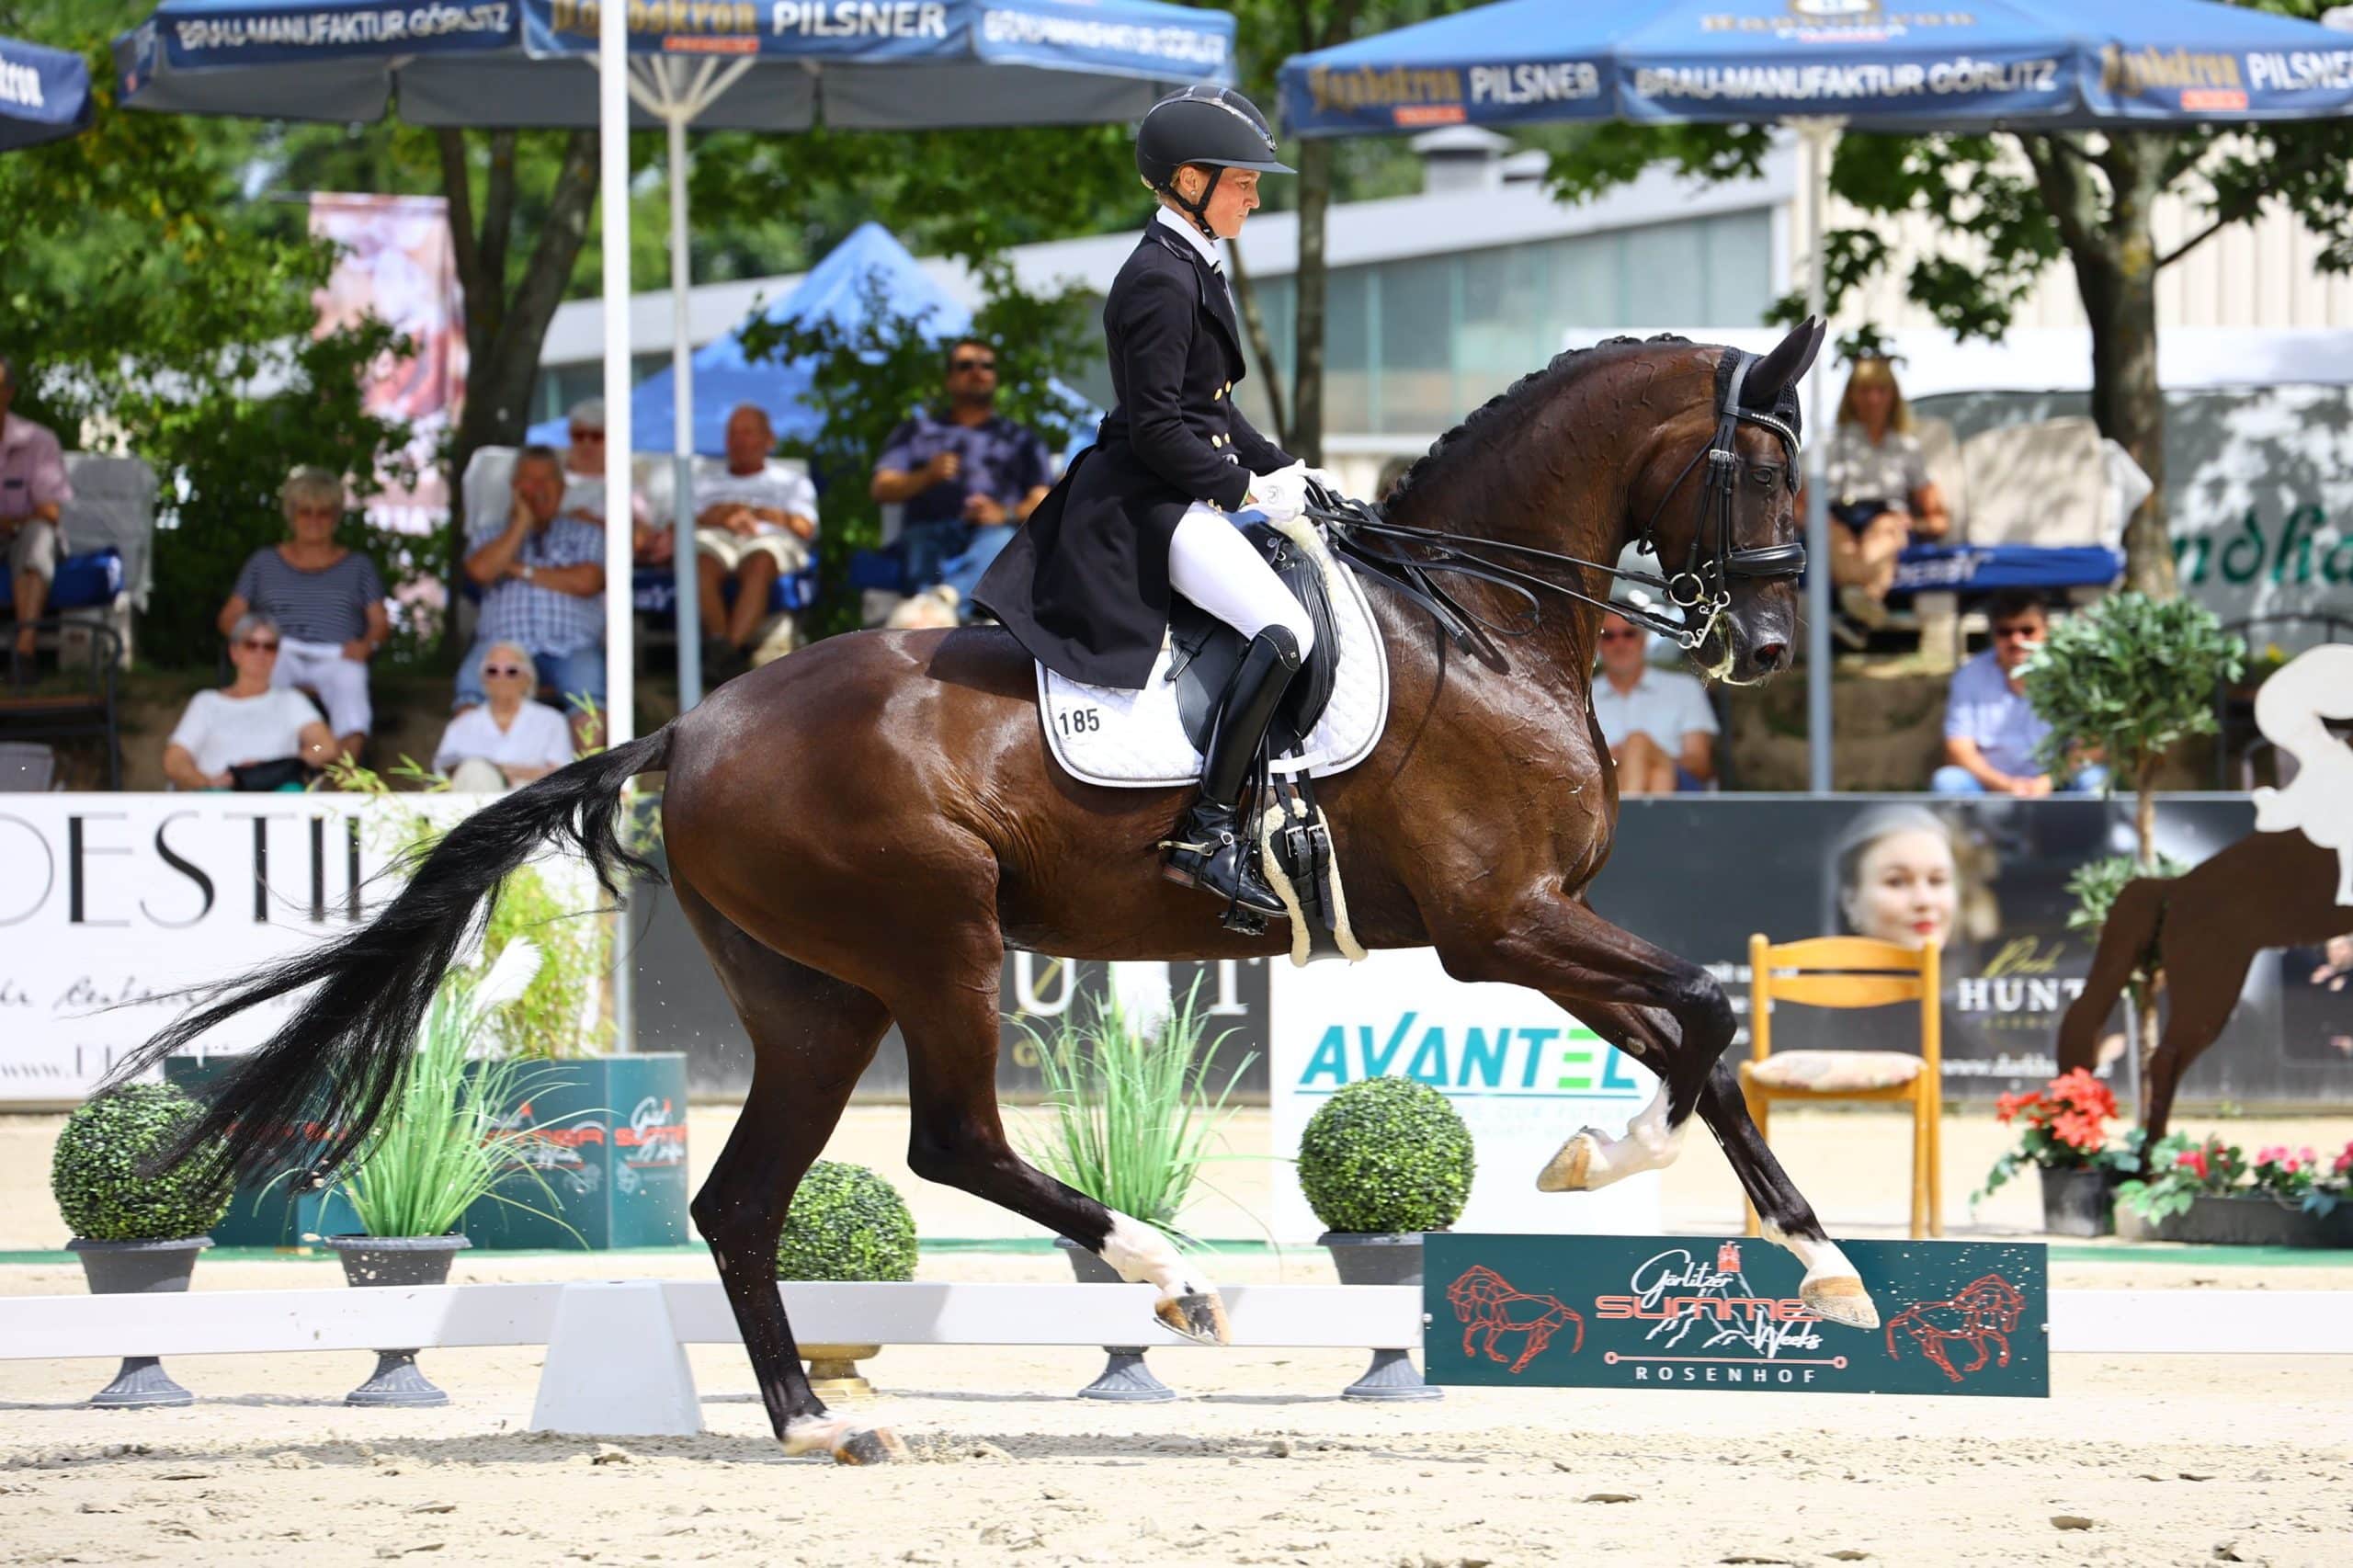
pixel 328 603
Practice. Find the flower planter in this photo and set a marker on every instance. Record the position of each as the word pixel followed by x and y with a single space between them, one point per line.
pixel 1381 1259
pixel 394 1261
pixel 1124 1378
pixel 614 1156
pixel 2078 1202
pixel 2242 1219
pixel 832 1371
pixel 124 1268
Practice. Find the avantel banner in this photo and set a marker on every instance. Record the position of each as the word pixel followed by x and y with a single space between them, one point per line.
pixel 1685 1311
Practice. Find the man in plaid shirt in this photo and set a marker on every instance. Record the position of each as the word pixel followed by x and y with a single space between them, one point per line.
pixel 543 587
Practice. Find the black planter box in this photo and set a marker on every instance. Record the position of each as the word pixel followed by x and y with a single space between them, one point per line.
pixel 2243 1220
pixel 2080 1202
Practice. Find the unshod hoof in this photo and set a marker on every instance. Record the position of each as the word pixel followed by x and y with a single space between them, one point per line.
pixel 1200 1317
pixel 871 1445
pixel 1840 1299
pixel 846 1441
pixel 1566 1170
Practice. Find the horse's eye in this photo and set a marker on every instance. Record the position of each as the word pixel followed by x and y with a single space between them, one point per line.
pixel 1765 478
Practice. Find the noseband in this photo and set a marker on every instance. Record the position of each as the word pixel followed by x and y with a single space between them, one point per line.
pixel 1700 589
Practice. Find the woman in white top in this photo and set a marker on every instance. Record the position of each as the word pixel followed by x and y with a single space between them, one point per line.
pixel 1880 490
pixel 249 724
pixel 510 739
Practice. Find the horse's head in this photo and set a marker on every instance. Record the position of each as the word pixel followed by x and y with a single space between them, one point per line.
pixel 1993 1297
pixel 1715 499
pixel 1475 1286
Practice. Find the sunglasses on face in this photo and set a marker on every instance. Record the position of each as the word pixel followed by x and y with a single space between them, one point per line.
pixel 494 671
pixel 1628 635
pixel 259 647
pixel 2023 633
pixel 974 365
pixel 587 435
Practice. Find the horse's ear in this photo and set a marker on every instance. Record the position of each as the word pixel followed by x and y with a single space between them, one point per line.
pixel 1779 371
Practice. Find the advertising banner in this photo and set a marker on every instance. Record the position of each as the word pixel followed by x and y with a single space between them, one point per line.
pixel 1523 1073
pixel 1687 1312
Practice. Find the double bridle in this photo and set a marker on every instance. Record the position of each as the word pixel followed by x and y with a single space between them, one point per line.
pixel 1700 589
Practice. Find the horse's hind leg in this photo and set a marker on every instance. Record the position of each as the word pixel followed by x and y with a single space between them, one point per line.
pixel 812 1036
pixel 1590 1159
pixel 947 1010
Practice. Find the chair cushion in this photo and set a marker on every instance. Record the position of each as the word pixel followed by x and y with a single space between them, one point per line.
pixel 1832 1072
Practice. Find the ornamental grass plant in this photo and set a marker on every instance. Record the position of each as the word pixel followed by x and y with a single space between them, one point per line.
pixel 1132 1115
pixel 449 1142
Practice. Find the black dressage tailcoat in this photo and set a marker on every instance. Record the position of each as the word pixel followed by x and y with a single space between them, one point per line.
pixel 1084 584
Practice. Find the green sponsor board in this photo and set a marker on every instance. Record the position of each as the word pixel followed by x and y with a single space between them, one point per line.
pixel 1690 1311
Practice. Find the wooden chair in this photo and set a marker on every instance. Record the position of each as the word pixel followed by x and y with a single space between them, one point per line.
pixel 1851 971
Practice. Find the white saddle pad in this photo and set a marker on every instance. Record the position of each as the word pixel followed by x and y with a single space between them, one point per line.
pixel 1136 740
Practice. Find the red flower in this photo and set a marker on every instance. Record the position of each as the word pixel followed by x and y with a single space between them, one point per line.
pixel 2192 1160
pixel 2344 1161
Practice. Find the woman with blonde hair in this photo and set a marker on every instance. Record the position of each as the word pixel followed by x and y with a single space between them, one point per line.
pixel 327 602
pixel 1879 494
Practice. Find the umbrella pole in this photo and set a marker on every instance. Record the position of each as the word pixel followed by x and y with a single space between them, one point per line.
pixel 682 433
pixel 612 133
pixel 1816 137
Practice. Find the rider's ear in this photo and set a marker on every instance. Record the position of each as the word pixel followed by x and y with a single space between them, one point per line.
pixel 1779 371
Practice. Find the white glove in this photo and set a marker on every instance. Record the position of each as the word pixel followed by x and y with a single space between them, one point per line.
pixel 1282 495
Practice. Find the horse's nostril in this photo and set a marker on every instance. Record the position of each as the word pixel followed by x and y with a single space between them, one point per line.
pixel 1771 656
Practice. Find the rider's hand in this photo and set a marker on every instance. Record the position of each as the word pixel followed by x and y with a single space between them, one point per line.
pixel 1282 495
pixel 943 467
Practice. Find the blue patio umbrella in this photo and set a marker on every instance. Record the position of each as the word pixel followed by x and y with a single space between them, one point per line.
pixel 780 66
pixel 44 94
pixel 1824 65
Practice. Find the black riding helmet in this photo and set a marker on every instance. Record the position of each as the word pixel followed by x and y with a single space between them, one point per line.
pixel 1215 127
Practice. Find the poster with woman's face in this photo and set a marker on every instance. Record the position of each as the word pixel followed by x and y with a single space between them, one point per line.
pixel 1984 879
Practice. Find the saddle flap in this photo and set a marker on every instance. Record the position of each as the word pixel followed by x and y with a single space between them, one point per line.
pixel 1205 651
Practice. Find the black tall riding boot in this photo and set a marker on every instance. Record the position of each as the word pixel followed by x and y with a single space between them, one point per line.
pixel 1210 848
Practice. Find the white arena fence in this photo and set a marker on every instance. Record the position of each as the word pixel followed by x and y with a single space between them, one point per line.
pixel 616 1363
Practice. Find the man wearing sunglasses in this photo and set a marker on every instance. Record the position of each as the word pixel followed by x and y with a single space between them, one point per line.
pixel 1658 726
pixel 542 578
pixel 1992 732
pixel 966 476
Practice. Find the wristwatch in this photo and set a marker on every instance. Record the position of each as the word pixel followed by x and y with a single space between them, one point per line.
pixel 528 571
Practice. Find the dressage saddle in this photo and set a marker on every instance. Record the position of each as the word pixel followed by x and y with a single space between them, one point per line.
pixel 1205 651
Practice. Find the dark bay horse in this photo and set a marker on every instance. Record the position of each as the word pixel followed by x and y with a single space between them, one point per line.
pixel 858 833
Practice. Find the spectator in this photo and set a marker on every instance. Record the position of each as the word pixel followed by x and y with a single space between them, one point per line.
pixel 510 739
pixel 1992 731
pixel 583 485
pixel 1660 730
pixel 33 491
pixel 255 733
pixel 933 609
pixel 753 524
pixel 1880 499
pixel 542 576
pixel 327 603
pixel 967 477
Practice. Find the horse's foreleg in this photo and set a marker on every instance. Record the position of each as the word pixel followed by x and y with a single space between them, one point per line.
pixel 1600 972
pixel 948 1016
pixel 812 1036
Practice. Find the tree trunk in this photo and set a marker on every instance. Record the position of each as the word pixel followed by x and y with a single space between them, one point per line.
pixel 1253 326
pixel 1312 281
pixel 506 323
pixel 2116 272
pixel 2144 839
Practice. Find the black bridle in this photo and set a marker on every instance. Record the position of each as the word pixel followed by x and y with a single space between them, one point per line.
pixel 1700 589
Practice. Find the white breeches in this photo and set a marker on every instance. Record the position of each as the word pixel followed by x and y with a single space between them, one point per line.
pixel 1211 564
pixel 341 683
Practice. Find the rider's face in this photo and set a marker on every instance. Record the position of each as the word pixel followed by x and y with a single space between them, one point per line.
pixel 1235 197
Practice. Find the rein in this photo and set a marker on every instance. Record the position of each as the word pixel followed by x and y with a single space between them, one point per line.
pixel 1701 589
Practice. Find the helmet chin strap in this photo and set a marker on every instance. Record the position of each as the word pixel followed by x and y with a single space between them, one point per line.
pixel 1199 211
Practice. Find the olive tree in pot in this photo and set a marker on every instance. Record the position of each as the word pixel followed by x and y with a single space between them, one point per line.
pixel 1381 1162
pixel 845 1222
pixel 444 1144
pixel 133 1231
pixel 1132 1117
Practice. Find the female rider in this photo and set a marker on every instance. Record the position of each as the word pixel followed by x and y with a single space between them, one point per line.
pixel 1142 513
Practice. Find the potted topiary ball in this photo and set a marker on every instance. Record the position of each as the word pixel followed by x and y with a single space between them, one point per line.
pixel 1381 1162
pixel 134 1232
pixel 846 1224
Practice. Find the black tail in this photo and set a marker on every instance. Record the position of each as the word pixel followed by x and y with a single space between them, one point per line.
pixel 312 1091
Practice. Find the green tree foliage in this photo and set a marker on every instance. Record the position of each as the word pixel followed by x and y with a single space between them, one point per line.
pixel 2012 204
pixel 870 377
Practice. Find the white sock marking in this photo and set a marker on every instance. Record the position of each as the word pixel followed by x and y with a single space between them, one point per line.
pixel 1142 1255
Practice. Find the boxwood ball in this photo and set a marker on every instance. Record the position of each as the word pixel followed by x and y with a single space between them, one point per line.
pixel 1386 1155
pixel 95 1172
pixel 846 1223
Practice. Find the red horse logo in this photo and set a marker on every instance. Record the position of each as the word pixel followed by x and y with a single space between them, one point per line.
pixel 1487 1304
pixel 1983 1315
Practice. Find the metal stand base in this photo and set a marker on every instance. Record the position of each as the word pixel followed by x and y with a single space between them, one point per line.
pixel 141 1384
pixel 396 1384
pixel 1126 1379
pixel 1391 1378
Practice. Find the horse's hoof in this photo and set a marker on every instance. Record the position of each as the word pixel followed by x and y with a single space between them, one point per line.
pixel 871 1445
pixel 1567 1169
pixel 1200 1317
pixel 1841 1299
